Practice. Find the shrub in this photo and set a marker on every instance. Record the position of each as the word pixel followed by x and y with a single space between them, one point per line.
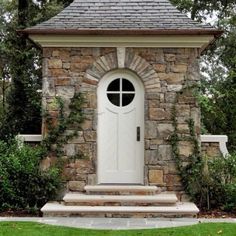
pixel 22 183
pixel 212 182
pixel 230 201
pixel 222 185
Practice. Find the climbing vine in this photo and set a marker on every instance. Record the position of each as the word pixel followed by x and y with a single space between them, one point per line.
pixel 191 173
pixel 57 134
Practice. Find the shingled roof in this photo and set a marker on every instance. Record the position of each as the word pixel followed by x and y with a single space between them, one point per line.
pixel 121 16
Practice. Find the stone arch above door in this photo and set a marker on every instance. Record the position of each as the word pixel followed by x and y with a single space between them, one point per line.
pixel 125 59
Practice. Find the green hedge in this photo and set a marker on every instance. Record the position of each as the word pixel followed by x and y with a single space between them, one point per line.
pixel 22 184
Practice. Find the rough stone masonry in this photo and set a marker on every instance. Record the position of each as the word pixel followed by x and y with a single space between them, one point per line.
pixel 165 73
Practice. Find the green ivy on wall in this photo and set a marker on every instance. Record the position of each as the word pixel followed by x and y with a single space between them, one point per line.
pixel 57 136
pixel 192 172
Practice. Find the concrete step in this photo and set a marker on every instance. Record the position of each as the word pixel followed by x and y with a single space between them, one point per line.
pixel 180 209
pixel 158 199
pixel 121 189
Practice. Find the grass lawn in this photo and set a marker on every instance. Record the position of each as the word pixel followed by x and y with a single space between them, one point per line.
pixel 35 229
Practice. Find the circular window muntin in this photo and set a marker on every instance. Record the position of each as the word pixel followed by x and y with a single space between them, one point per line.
pixel 121 91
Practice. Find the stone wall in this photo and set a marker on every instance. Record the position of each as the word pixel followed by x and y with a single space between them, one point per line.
pixel 211 150
pixel 164 72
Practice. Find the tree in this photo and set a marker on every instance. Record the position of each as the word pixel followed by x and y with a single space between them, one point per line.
pixel 201 9
pixel 218 67
pixel 22 108
pixel 22 101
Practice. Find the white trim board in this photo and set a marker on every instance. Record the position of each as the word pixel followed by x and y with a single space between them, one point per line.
pixel 214 138
pixel 169 41
pixel 221 139
pixel 30 137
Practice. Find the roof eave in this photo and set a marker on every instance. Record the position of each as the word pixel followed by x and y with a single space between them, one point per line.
pixel 134 32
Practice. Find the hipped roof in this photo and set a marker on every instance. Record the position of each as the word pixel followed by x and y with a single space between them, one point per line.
pixel 122 17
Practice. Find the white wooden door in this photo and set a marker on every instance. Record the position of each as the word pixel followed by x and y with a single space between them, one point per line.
pixel 120 129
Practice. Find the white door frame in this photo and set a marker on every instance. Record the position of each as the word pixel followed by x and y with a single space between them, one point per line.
pixel 137 120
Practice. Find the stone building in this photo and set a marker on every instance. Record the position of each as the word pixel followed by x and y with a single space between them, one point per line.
pixel 133 61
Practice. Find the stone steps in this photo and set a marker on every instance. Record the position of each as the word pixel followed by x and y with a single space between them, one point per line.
pixel 120 201
pixel 121 189
pixel 158 199
pixel 180 209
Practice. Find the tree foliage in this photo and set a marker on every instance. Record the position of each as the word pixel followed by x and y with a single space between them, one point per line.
pixel 201 9
pixel 218 90
pixel 20 62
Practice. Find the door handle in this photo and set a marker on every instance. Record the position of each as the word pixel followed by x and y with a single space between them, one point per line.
pixel 138 133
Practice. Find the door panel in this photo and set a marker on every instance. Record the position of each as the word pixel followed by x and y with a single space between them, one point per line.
pixel 128 141
pixel 109 143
